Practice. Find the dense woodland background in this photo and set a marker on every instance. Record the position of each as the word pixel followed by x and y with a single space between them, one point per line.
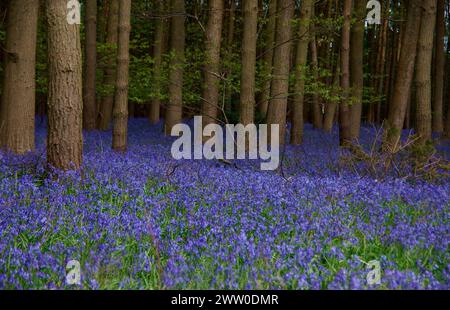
pixel 363 175
pixel 278 61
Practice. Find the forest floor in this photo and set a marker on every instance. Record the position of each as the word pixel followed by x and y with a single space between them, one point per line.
pixel 143 220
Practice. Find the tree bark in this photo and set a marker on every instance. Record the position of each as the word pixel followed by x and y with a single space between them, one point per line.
pixel 438 101
pixel 155 105
pixel 357 69
pixel 268 57
pixel 120 112
pixel 344 110
pixel 300 63
pixel 404 77
pixel 89 102
pixel 17 114
pixel 247 104
pixel 210 107
pixel 174 111
pixel 280 83
pixel 107 102
pixel 423 71
pixel 65 99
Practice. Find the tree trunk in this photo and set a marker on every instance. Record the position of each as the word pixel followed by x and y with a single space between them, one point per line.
pixel 317 106
pixel 155 105
pixel 106 105
pixel 65 98
pixel 89 103
pixel 247 104
pixel 18 98
pixel 300 63
pixel 438 101
pixel 229 53
pixel 268 57
pixel 404 77
pixel 423 71
pixel 174 112
pixel 357 69
pixel 212 67
pixel 120 127
pixel 277 110
pixel 344 113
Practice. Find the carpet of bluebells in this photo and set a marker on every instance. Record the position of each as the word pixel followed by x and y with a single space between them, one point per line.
pixel 142 220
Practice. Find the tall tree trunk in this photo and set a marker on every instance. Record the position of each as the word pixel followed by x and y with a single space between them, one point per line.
pixel 106 105
pixel 155 105
pixel 268 57
pixel 300 63
pixel 404 77
pixel 330 110
pixel 357 69
pixel 316 104
pixel 229 52
pixel 247 102
pixel 447 121
pixel 277 110
pixel 438 101
pixel 344 110
pixel 212 67
pixel 65 98
pixel 174 111
pixel 120 127
pixel 18 98
pixel 89 102
pixel 423 71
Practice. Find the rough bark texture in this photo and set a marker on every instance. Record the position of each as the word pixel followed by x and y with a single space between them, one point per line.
pixel 423 70
pixel 18 97
pixel 177 42
pixel 344 109
pixel 106 105
pixel 155 105
pixel 120 111
pixel 438 100
pixel 89 103
pixel 404 76
pixel 357 70
pixel 276 113
pixel 268 56
pixel 210 96
pixel 300 63
pixel 65 101
pixel 247 103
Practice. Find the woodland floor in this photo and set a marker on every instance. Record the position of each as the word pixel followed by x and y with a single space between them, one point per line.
pixel 143 220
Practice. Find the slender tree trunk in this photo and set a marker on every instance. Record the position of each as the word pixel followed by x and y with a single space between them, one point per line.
pixel 174 111
pixel 247 104
pixel 212 67
pixel 404 77
pixel 17 114
pixel 316 104
pixel 447 121
pixel 330 110
pixel 120 127
pixel 65 98
pixel 229 53
pixel 438 101
pixel 357 70
pixel 300 63
pixel 155 105
pixel 423 71
pixel 344 110
pixel 107 102
pixel 268 57
pixel 89 103
pixel 280 84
